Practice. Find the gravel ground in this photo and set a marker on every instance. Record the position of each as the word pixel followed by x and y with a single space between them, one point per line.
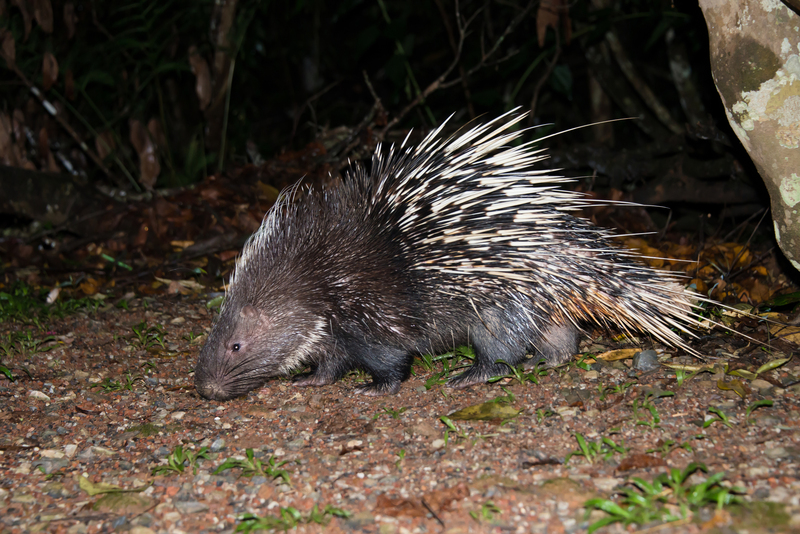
pixel 100 409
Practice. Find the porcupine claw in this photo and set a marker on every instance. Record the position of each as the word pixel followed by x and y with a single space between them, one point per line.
pixel 477 374
pixel 311 379
pixel 378 389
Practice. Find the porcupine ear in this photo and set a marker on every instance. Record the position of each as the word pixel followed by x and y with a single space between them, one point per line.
pixel 251 317
pixel 249 312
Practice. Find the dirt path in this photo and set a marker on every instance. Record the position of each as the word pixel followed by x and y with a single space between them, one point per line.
pixel 113 398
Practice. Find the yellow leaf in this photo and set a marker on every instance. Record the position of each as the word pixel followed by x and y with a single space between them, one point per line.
pixel 89 286
pixel 621 354
pixel 267 192
pixel 485 411
pixel 181 244
pixel 93 489
pixel 788 333
pixel 734 385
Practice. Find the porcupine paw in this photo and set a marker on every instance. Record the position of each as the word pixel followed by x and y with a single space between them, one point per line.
pixel 559 342
pixel 312 379
pixel 477 374
pixel 378 389
pixel 532 363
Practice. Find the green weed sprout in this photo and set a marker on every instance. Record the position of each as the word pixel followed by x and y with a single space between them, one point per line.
pixel 178 459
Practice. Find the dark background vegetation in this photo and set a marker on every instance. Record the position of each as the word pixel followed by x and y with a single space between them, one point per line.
pixel 299 68
pixel 315 84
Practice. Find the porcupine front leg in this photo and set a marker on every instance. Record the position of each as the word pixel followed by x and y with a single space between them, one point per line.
pixel 325 370
pixel 389 366
pixel 492 341
pixel 316 377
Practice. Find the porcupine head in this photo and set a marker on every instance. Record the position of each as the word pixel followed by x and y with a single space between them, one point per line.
pixel 239 346
pixel 251 342
pixel 240 352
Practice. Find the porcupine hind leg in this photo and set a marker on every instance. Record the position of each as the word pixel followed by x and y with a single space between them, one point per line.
pixel 493 338
pixel 557 344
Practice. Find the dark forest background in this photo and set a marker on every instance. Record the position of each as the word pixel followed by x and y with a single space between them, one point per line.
pixel 132 77
pixel 137 132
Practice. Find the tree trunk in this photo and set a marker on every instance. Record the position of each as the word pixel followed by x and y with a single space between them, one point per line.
pixel 754 59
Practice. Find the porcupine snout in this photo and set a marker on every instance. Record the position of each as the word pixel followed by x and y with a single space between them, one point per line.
pixel 210 377
pixel 210 390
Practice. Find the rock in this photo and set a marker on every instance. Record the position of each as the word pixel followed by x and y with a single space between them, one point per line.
pixel 38 395
pixel 645 361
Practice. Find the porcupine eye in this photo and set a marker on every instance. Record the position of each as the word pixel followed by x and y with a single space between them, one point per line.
pixel 236 347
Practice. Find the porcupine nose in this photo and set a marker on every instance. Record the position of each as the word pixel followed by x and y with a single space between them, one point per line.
pixel 210 390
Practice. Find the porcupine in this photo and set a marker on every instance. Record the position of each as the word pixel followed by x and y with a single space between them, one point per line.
pixel 457 241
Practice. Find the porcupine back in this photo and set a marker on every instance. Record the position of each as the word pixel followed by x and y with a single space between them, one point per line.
pixel 458 240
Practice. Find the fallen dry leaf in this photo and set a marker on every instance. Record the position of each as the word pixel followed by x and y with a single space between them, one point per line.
pixel 699 286
pixel 652 256
pixel 149 167
pixel 202 75
pixel 104 144
pixel 547 15
pixel 7 48
pixel 737 386
pixel 640 461
pixel 614 355
pixel 156 132
pixel 70 19
pixel 87 408
pixel 759 291
pixel 438 501
pixel 721 518
pixel 788 333
pixel 399 507
pixel 98 488
pixel 486 411
pixel 90 286
pixel 184 287
pixel 141 236
pixel 27 20
pixel 43 13
pixel 226 255
pixel 211 193
pixel 267 192
pixel 138 135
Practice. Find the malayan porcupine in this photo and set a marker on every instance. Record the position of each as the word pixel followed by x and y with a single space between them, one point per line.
pixel 457 241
